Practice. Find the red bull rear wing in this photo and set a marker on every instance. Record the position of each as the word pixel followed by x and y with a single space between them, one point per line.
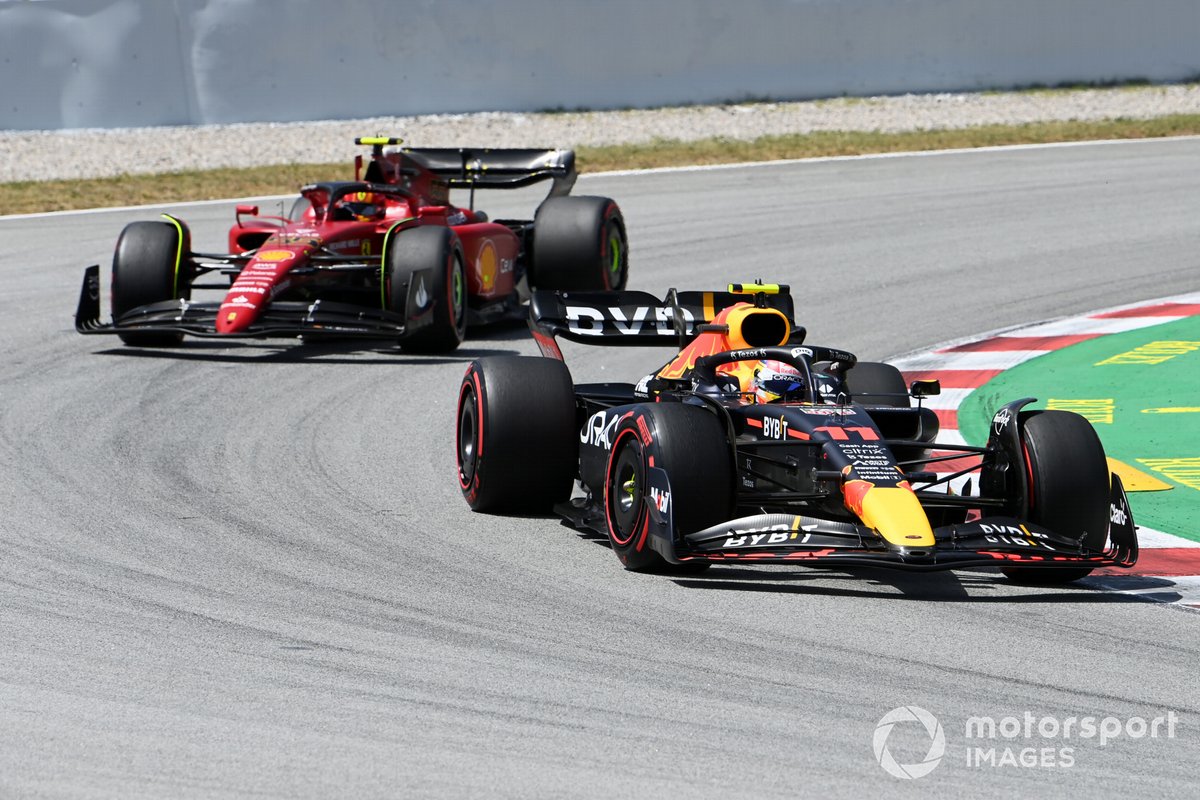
pixel 641 319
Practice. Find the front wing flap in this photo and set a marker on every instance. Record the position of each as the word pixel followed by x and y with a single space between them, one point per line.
pixel 988 542
pixel 278 319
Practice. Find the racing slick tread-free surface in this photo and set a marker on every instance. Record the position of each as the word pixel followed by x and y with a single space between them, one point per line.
pixel 1069 492
pixel 579 244
pixel 876 384
pixel 517 416
pixel 692 446
pixel 143 272
pixel 431 253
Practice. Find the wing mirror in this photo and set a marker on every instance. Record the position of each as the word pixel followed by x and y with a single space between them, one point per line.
pixel 925 388
pixel 245 211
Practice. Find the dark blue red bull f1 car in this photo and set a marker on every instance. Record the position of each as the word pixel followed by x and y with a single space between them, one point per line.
pixel 752 446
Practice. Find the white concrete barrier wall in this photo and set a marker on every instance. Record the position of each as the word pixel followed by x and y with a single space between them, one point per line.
pixel 118 63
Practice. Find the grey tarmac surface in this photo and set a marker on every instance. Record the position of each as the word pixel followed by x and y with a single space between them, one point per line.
pixel 247 570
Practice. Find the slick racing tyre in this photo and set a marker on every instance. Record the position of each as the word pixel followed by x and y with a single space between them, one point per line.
pixel 1068 491
pixel 517 442
pixel 150 265
pixel 874 384
pixel 691 445
pixel 579 244
pixel 430 257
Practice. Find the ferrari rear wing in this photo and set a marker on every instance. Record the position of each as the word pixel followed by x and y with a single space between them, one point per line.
pixel 640 318
pixel 505 168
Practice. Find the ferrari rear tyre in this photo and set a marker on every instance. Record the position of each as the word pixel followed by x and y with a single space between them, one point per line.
pixel 150 265
pixel 691 445
pixel 430 257
pixel 518 441
pixel 579 244
pixel 876 384
pixel 1069 484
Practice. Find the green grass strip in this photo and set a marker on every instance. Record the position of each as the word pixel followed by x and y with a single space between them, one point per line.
pixel 36 196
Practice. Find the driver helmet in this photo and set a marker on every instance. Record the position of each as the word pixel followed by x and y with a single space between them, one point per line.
pixel 364 206
pixel 774 381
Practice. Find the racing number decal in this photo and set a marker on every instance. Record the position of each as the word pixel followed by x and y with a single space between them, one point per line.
pixel 840 434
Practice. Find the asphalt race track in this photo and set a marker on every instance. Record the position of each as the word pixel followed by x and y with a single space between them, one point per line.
pixel 248 570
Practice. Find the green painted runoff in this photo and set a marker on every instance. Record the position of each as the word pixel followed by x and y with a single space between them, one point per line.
pixel 1142 391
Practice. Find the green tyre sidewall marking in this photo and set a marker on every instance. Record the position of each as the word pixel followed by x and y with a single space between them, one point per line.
pixel 614 267
pixel 1071 374
pixel 457 278
pixel 178 254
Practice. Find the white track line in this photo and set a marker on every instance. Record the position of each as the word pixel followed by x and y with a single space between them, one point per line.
pixel 705 168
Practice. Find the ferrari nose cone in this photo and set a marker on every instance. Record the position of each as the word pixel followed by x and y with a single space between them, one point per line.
pixel 264 276
pixel 237 312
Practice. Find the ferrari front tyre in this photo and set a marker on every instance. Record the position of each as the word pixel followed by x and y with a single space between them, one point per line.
pixel 518 441
pixel 873 383
pixel 429 258
pixel 150 265
pixel 692 446
pixel 1068 487
pixel 579 244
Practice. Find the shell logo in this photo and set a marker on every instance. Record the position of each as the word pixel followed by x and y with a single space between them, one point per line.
pixel 485 266
pixel 274 256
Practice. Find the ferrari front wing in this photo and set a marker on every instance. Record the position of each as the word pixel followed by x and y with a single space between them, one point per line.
pixel 278 319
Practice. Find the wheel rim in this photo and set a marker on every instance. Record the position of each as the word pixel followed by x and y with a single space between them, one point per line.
pixel 458 293
pixel 613 277
pixel 625 491
pixel 468 436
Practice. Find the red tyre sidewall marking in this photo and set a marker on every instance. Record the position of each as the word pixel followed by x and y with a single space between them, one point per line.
pixel 612 460
pixel 641 542
pixel 462 393
pixel 471 381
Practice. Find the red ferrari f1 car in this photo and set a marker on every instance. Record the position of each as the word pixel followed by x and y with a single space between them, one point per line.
pixel 750 446
pixel 384 255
